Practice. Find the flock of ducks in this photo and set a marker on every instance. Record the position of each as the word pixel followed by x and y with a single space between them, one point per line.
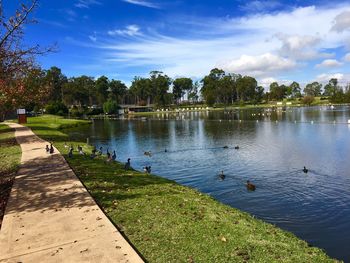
pixel 147 169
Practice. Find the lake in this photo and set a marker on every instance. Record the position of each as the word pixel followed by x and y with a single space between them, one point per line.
pixel 274 146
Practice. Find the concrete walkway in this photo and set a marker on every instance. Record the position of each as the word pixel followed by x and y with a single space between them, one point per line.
pixel 50 217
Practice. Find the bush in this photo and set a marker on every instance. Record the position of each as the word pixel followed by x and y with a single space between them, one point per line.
pixel 110 107
pixel 56 108
pixel 210 100
pixel 308 100
pixel 95 111
pixel 76 113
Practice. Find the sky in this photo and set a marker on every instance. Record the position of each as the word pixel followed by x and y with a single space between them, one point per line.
pixel 277 40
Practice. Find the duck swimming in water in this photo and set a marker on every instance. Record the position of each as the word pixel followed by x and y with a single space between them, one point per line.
pixel 250 186
pixel 305 170
pixel 237 147
pixel 148 153
pixel 222 176
pixel 225 147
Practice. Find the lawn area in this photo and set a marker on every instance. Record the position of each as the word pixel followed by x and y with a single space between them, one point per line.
pixel 168 222
pixel 10 156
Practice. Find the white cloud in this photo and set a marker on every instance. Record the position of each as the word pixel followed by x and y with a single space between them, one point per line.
pixel 329 63
pixel 86 3
pixel 342 22
pixel 130 30
pixel 347 57
pixel 93 38
pixel 300 46
pixel 259 65
pixel 265 82
pixel 260 6
pixel 268 51
pixel 143 3
pixel 325 77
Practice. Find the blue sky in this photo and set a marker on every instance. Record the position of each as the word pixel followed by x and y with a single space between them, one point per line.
pixel 269 40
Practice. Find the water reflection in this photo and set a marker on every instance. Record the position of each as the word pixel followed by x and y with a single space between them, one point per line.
pixel 315 206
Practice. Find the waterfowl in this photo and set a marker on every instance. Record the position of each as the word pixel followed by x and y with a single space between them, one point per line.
pixel 148 153
pixel 222 176
pixel 250 186
pixel 237 147
pixel 225 147
pixel 114 156
pixel 305 170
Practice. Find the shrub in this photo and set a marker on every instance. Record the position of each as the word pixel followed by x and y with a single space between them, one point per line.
pixel 56 108
pixel 110 107
pixel 308 100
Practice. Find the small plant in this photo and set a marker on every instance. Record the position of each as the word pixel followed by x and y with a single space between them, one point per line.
pixel 308 100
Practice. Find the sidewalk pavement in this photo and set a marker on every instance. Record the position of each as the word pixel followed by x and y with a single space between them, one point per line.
pixel 50 216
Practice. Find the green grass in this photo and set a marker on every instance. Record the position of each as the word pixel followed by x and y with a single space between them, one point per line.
pixel 10 156
pixel 168 222
pixel 10 151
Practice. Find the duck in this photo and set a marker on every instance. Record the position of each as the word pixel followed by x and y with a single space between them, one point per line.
pixel 305 170
pixel 225 147
pixel 222 176
pixel 114 156
pixel 237 147
pixel 148 153
pixel 250 186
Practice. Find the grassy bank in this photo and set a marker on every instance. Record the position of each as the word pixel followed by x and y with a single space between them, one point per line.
pixel 167 222
pixel 10 156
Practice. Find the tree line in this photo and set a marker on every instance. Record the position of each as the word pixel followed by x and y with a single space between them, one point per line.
pixel 24 84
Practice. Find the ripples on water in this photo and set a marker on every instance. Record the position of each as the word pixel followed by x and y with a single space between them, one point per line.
pixel 315 206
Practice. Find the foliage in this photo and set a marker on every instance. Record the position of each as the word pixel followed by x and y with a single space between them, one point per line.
pixel 160 85
pixel 10 151
pixel 294 90
pixel 10 154
pixel 308 100
pixel 313 89
pixel 56 108
pixel 110 107
pixel 17 62
pixel 79 91
pixel 117 90
pixel 180 87
pixel 55 80
pixel 277 92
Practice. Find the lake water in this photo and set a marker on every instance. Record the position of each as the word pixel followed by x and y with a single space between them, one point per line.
pixel 275 145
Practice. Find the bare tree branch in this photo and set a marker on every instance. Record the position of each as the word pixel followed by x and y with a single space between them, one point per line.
pixel 19 19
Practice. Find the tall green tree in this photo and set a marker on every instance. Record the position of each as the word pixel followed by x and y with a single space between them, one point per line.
pixel 277 92
pixel 160 84
pixel 141 89
pixel 56 80
pixel 102 85
pixel 210 85
pixel 313 89
pixel 117 90
pixel 79 91
pixel 180 87
pixel 295 90
pixel 193 93
pixel 331 87
pixel 246 88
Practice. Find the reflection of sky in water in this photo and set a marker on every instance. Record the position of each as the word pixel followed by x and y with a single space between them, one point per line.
pixel 316 206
